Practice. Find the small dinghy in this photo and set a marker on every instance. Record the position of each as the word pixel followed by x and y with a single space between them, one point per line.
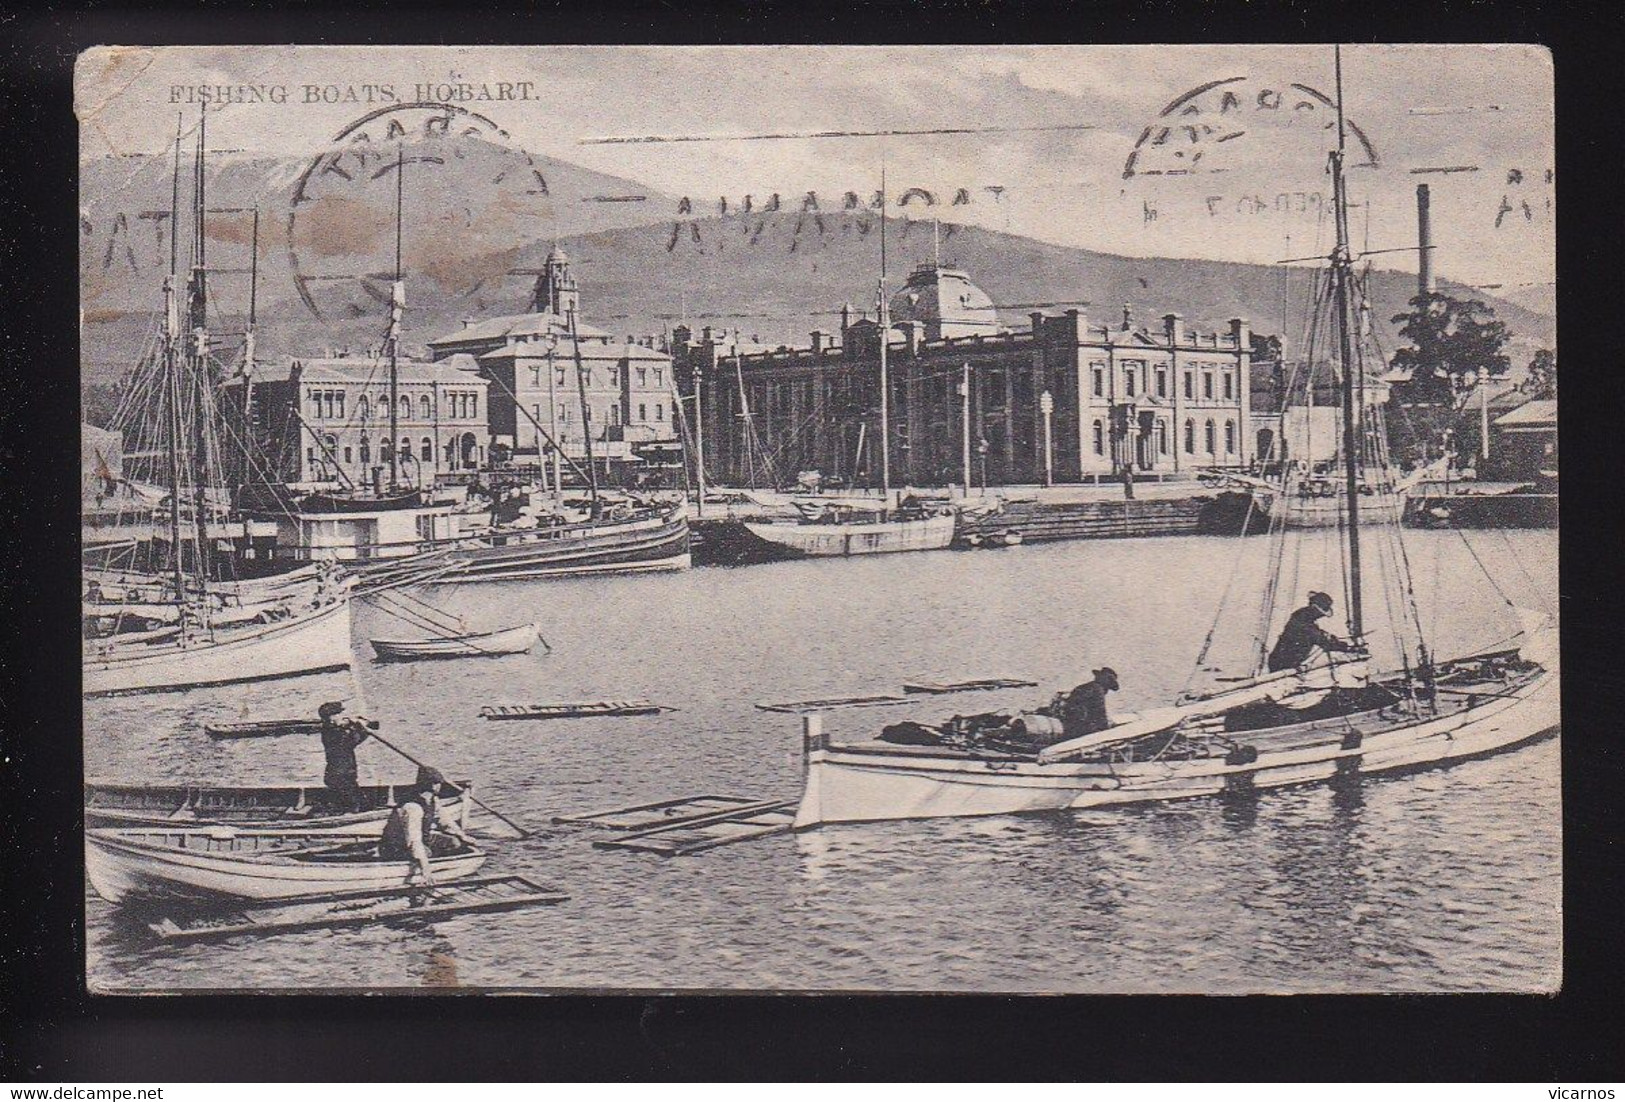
pixel 285 808
pixel 514 640
pixel 263 728
pixel 211 864
pixel 581 710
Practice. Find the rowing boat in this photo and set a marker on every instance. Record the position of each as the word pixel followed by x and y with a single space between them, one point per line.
pixel 211 864
pixel 263 728
pixel 287 808
pixel 514 640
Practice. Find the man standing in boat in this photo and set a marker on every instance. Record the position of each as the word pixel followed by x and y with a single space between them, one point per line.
pixel 1302 635
pixel 420 828
pixel 340 737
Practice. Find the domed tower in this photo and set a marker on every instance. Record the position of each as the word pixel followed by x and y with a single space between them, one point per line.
pixel 945 303
pixel 556 290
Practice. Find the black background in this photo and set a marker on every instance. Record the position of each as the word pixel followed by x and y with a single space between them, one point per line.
pixel 51 1030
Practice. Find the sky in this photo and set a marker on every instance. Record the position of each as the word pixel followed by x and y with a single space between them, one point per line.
pixel 1229 143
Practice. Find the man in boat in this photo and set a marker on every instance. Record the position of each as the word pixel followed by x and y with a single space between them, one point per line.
pixel 1083 712
pixel 421 828
pixel 1302 635
pixel 340 737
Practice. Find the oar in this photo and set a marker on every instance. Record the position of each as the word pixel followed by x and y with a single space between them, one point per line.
pixel 523 833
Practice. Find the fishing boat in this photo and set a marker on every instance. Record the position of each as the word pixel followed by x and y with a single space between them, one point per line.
pixel 1333 717
pixel 284 808
pixel 514 640
pixel 579 710
pixel 845 533
pixel 216 864
pixel 188 627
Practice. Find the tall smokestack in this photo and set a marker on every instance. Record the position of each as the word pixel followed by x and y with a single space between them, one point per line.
pixel 1424 239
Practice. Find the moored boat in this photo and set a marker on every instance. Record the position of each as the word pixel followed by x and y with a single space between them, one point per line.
pixel 856 537
pixel 284 808
pixel 514 640
pixel 212 864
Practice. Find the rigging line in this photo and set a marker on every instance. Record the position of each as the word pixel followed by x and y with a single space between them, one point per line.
pixel 1485 569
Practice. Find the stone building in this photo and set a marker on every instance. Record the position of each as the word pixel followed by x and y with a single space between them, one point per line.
pixel 625 394
pixel 326 419
pixel 1158 400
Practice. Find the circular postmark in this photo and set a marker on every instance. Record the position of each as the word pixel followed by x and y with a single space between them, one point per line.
pixel 470 199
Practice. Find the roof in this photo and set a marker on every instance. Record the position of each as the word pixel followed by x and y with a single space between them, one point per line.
pixel 1540 413
pixel 508 326
pixel 935 295
pixel 590 350
pixel 370 369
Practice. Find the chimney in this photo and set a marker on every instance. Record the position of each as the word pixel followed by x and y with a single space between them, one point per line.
pixel 846 317
pixel 1037 318
pixel 1241 333
pixel 1424 239
pixel 1173 327
pixel 818 340
pixel 706 334
pixel 1128 318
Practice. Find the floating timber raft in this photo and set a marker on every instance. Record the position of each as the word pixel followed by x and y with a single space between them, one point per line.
pixel 663 813
pixel 581 710
pixel 675 828
pixel 1040 522
pixel 984 684
pixel 263 728
pixel 490 893
pixel 798 707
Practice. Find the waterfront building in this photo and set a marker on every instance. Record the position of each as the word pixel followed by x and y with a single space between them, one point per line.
pixel 1158 400
pixel 1523 442
pixel 327 420
pixel 553 376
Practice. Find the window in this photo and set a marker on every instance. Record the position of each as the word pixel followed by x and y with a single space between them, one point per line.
pixel 1162 382
pixel 564 414
pixel 558 376
pixel 643 412
pixel 1229 385
pixel 536 418
pixel 362 410
pixel 339 398
pixel 406 449
pixel 383 449
pixel 1208 437
pixel 474 404
pixel 1207 384
pixel 1162 437
pixel 426 450
pixel 366 451
pixel 1128 381
pixel 585 375
pixel 1190 435
pixel 406 408
pixel 1097 381
pixel 1229 437
pixel 1190 384
pixel 348 452
pixel 310 457
pixel 660 411
pixel 1099 434
pixel 425 409
pixel 536 375
pixel 614 415
pixel 660 376
pixel 643 376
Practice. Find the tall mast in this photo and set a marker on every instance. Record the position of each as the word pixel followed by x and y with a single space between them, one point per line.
pixel 172 371
pixel 586 419
pixel 201 381
pixel 883 315
pixel 248 348
pixel 397 303
pixel 1342 265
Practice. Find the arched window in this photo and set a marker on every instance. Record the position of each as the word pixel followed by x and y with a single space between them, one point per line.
pixel 1190 437
pixel 1209 438
pixel 315 403
pixel 363 410
pixel 474 404
pixel 425 410
pixel 383 449
pixel 406 409
pixel 406 448
pixel 1162 437
pixel 1099 435
pixel 338 397
pixel 426 449
pixel 1230 438
pixel 366 452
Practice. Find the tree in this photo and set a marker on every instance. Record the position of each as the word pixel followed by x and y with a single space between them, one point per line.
pixel 1450 339
pixel 1541 381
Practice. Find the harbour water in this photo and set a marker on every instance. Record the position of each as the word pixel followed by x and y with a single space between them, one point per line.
pixel 1447 880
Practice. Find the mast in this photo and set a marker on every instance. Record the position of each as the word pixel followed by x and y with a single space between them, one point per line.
pixel 553 427
pixel 883 314
pixel 198 354
pixel 586 416
pixel 248 349
pixel 397 303
pixel 172 373
pixel 699 441
pixel 1342 265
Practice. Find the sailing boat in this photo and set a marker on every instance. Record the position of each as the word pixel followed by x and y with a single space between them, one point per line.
pixel 146 633
pixel 1334 716
pixel 845 528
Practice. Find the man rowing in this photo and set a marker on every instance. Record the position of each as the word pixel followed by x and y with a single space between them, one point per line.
pixel 340 737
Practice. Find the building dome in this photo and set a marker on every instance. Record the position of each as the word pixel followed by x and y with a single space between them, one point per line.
pixel 945 302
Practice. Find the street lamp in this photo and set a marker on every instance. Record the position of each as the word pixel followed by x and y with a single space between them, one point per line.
pixel 1046 403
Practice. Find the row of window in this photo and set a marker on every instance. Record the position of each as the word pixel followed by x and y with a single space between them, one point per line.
pixel 614 413
pixel 1132 373
pixel 617 376
pixel 1209 437
pixel 328 405
pixel 424 453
